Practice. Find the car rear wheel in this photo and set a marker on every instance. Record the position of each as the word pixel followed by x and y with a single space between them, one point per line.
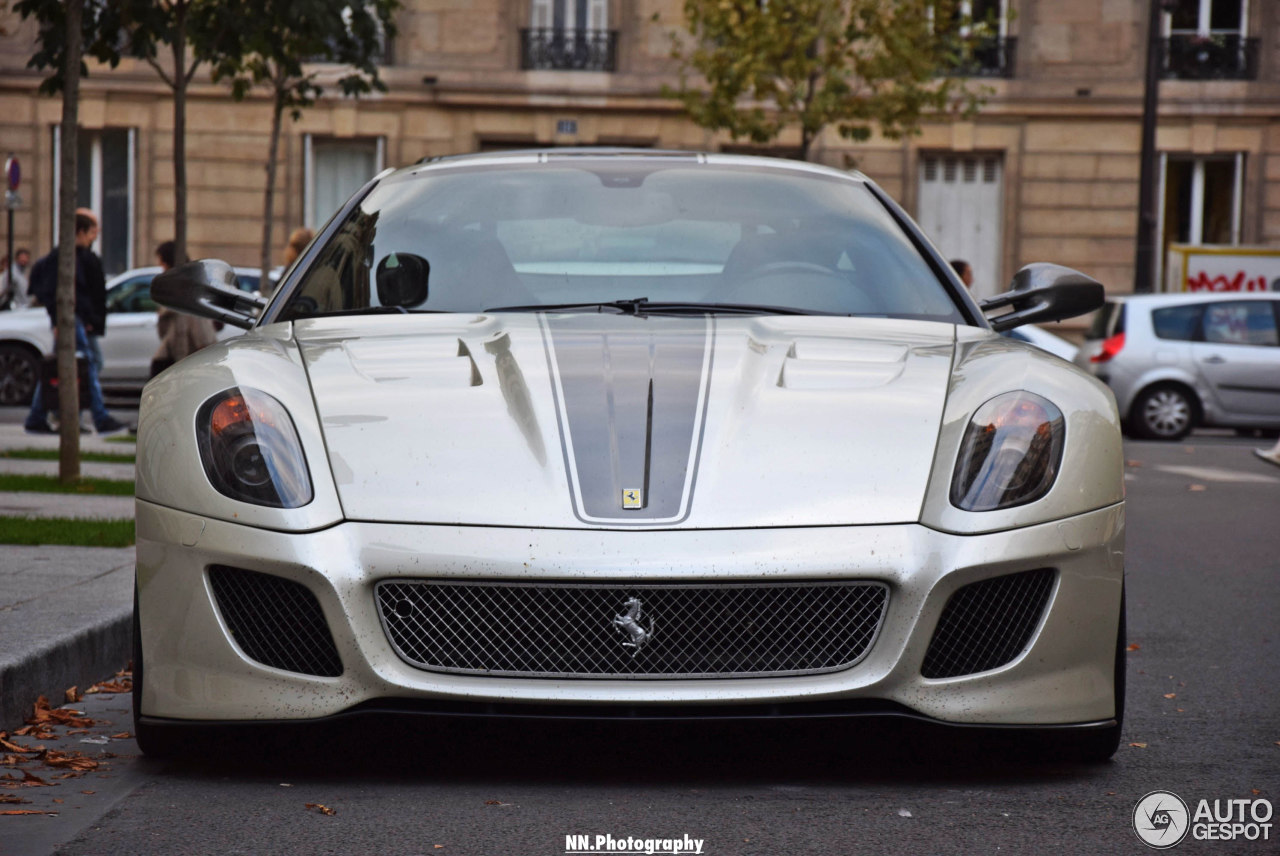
pixel 19 372
pixel 1166 412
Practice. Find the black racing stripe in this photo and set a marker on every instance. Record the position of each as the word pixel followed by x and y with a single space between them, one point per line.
pixel 631 386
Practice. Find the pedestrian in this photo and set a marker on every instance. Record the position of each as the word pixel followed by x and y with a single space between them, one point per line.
pixel 298 240
pixel 180 334
pixel 44 287
pixel 95 317
pixel 964 270
pixel 13 280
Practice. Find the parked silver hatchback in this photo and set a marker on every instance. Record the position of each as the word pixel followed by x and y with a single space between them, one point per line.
pixel 1175 361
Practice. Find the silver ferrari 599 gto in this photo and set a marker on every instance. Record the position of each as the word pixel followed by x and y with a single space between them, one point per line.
pixel 614 433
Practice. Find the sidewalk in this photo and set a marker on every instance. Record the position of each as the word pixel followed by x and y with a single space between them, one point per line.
pixel 65 612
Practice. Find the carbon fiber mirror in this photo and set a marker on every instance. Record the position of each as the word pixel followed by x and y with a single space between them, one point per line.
pixel 1044 292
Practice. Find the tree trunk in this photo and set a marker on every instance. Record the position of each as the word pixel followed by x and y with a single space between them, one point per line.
pixel 268 209
pixel 180 141
pixel 65 333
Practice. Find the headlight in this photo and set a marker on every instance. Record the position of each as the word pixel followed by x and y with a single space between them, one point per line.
pixel 251 450
pixel 1010 453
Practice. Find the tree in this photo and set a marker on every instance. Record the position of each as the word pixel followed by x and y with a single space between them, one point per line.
pixel 860 65
pixel 194 32
pixel 66 27
pixel 278 44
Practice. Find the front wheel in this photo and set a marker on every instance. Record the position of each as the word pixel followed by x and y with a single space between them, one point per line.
pixel 1163 413
pixel 19 374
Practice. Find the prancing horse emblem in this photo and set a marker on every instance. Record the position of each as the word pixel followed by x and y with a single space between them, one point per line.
pixel 629 623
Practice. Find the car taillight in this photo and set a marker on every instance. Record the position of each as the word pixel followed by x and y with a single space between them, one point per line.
pixel 1110 348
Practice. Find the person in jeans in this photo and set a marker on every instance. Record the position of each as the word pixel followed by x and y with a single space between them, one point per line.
pixel 44 284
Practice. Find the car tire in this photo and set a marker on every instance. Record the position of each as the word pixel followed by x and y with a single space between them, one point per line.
pixel 1164 412
pixel 19 374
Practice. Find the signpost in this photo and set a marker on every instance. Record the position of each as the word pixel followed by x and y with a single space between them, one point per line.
pixel 12 175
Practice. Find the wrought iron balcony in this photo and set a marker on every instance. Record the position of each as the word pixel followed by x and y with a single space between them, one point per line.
pixel 548 48
pixel 1218 56
pixel 985 56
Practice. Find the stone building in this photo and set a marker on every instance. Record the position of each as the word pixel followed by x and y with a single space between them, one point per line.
pixel 1048 171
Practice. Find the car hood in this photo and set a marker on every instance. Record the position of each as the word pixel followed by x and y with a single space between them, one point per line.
pixel 621 421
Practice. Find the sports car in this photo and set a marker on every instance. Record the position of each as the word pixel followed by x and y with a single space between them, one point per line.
pixel 585 433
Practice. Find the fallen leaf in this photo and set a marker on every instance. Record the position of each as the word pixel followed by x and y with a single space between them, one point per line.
pixel 88 793
pixel 1138 745
pixel 1255 791
pixel 1180 710
pixel 1170 695
pixel 1196 488
pixel 45 713
pixel 69 760
pixel 1111 793
pixel 58 801
pixel 123 735
pixel 495 802
pixel 13 799
pixel 323 809
pixel 14 811
pixel 438 846
pixel 124 685
pixel 72 695
pixel 1134 647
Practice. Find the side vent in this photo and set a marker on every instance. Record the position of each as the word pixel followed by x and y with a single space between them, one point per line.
pixel 275 621
pixel 988 624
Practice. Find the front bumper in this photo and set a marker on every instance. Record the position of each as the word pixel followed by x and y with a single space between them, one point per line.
pixel 195 672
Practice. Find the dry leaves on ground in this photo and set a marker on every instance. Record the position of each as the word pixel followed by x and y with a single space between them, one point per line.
pixel 322 808
pixel 121 683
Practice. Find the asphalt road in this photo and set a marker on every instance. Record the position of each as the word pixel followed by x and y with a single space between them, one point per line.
pixel 1203 722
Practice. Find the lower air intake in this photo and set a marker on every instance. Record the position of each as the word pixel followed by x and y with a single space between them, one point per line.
pixel 275 621
pixel 988 624
pixel 621 630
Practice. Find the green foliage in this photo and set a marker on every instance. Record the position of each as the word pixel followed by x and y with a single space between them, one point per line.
pixel 52 455
pixel 51 43
pixel 277 39
pixel 860 65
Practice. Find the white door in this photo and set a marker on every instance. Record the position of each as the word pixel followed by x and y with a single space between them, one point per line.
pixel 961 205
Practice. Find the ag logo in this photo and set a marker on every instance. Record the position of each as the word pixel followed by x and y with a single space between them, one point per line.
pixel 1161 819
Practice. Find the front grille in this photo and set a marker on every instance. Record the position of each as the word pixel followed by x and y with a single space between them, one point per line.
pixel 275 621
pixel 987 624
pixel 631 631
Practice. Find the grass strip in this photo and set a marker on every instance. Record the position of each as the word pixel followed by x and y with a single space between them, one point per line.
pixel 70 531
pixel 122 438
pixel 52 455
pixel 18 482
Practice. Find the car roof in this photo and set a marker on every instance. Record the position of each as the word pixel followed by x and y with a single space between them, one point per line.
pixel 569 154
pixel 1190 297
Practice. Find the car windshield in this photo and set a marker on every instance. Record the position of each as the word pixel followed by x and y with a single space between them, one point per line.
pixel 624 235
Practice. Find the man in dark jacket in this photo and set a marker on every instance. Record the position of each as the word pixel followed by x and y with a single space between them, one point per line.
pixel 91 314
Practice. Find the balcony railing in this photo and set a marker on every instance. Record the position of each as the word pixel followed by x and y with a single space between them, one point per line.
pixel 1218 56
pixel 568 50
pixel 985 56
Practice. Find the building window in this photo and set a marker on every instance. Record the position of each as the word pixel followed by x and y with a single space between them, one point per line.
pixel 335 169
pixel 1202 199
pixel 961 207
pixel 105 185
pixel 984 47
pixel 569 35
pixel 1206 40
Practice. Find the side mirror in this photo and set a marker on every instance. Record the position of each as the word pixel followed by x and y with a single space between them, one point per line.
pixel 1044 292
pixel 208 288
pixel 402 280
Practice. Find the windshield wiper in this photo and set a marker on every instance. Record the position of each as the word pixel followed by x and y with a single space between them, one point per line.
pixel 626 307
pixel 644 306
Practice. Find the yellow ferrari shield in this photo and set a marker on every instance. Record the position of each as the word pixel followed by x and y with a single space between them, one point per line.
pixel 633 498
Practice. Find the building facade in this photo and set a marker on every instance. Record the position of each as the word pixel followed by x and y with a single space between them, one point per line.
pixel 1047 171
